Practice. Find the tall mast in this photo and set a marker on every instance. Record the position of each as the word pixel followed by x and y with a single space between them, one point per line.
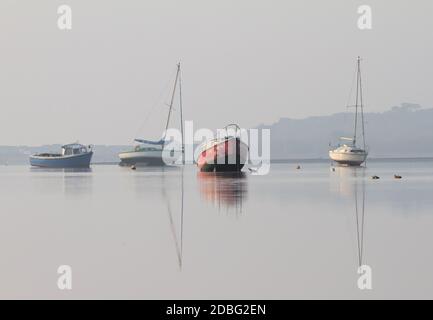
pixel 362 106
pixel 172 100
pixel 181 114
pixel 356 99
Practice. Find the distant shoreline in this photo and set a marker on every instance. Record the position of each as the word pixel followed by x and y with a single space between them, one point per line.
pixel 274 161
pixel 377 159
pixel 315 160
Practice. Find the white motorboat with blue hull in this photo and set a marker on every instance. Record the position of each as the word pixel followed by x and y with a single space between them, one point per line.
pixel 72 156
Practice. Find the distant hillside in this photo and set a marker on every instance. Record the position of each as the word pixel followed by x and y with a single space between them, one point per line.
pixel 403 131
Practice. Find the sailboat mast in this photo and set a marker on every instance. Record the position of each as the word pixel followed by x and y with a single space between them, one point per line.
pixel 181 114
pixel 356 101
pixel 172 99
pixel 181 220
pixel 362 106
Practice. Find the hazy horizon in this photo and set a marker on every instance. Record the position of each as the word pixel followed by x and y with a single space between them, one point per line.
pixel 347 126
pixel 249 62
pixel 401 132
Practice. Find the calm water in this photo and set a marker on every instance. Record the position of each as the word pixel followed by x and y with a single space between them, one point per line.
pixel 178 234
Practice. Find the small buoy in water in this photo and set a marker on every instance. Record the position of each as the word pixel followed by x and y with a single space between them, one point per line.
pixel 133 167
pixel 397 176
pixel 375 177
pixel 298 167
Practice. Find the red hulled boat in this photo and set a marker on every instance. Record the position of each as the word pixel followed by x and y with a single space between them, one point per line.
pixel 227 154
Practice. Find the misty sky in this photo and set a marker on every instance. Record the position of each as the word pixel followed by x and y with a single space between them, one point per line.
pixel 244 61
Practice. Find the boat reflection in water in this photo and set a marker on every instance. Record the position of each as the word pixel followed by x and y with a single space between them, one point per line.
pixel 60 170
pixel 352 185
pixel 344 180
pixel 69 181
pixel 78 182
pixel 223 189
pixel 170 182
pixel 359 203
pixel 177 235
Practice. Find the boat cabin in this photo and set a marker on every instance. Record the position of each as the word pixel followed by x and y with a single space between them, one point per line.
pixel 349 149
pixel 74 149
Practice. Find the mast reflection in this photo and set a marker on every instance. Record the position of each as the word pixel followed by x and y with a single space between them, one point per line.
pixel 359 194
pixel 177 239
pixel 351 184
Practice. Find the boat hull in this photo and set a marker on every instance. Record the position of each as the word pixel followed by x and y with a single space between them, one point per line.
pixel 348 159
pixel 147 158
pixel 73 161
pixel 229 155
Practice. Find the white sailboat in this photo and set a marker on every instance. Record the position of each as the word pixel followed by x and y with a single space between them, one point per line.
pixel 149 152
pixel 349 153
